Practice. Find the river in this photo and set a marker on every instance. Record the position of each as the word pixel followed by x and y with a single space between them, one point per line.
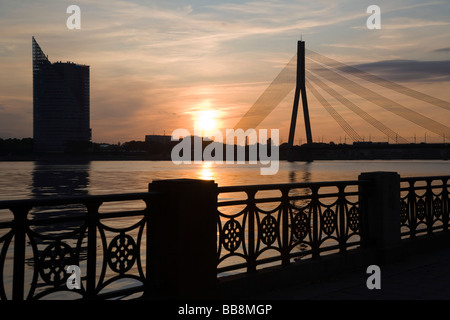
pixel 28 179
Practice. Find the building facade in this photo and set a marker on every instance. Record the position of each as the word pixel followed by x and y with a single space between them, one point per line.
pixel 61 105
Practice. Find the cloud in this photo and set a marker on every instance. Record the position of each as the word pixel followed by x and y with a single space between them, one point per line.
pixel 409 70
pixel 442 50
pixel 409 23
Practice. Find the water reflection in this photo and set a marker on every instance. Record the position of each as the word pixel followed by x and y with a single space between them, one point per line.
pixel 207 171
pixel 305 176
pixel 60 179
pixel 305 173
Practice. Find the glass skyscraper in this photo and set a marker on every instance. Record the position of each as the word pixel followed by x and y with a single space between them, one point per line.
pixel 61 105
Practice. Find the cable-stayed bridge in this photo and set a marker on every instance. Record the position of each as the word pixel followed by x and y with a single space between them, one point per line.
pixel 316 80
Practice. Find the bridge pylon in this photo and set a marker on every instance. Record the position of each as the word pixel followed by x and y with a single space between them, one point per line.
pixel 300 89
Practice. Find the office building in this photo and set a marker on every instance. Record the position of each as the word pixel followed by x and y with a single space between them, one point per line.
pixel 61 105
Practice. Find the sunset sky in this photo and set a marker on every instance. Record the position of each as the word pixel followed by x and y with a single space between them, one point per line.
pixel 155 65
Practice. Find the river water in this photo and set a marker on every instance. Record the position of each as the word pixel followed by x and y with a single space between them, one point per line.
pixel 19 180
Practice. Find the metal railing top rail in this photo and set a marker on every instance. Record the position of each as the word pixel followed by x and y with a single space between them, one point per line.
pixel 253 189
pixel 318 184
pixel 412 180
pixel 58 200
pixel 259 187
pixel 426 178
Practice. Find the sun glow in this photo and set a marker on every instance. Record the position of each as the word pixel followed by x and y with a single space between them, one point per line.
pixel 206 121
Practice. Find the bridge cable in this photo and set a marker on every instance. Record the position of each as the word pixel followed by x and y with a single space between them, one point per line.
pixel 378 80
pixel 280 87
pixel 336 116
pixel 357 110
pixel 382 101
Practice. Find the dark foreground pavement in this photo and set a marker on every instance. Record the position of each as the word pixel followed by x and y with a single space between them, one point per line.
pixel 425 276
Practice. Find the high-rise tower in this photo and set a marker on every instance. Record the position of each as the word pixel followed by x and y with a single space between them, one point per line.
pixel 300 89
pixel 61 105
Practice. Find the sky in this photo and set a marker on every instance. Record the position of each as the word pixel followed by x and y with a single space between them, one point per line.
pixel 156 65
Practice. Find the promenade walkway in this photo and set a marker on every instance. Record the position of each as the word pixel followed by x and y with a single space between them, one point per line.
pixel 425 276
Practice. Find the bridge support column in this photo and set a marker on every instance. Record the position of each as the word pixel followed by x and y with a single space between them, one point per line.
pixel 380 219
pixel 183 236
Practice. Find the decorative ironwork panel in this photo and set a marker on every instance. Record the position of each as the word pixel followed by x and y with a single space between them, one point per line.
pixel 353 218
pixel 47 236
pixel 121 253
pixel 300 222
pixel 232 234
pixel 53 262
pixel 328 221
pixel 301 225
pixel 269 230
pixel 424 205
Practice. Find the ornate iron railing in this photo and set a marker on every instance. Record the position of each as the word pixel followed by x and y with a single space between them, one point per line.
pixel 45 236
pixel 303 220
pixel 424 205
pixel 107 236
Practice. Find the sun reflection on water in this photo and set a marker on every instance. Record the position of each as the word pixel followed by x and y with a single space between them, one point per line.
pixel 206 171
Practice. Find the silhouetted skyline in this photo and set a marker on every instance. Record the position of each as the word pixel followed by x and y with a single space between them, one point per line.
pixel 155 66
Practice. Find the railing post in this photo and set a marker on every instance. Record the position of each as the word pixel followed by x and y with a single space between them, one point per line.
pixel 20 225
pixel 91 266
pixel 149 210
pixel 285 226
pixel 315 222
pixel 445 204
pixel 183 237
pixel 251 216
pixel 342 222
pixel 429 207
pixel 380 214
pixel 412 210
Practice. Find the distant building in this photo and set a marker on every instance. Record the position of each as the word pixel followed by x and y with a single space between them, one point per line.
pixel 158 139
pixel 61 106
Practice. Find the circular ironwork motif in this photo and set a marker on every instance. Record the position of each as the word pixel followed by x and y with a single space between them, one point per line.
pixel 353 219
pixel 437 207
pixel 403 211
pixel 301 225
pixel 328 223
pixel 420 209
pixel 232 235
pixel 268 230
pixel 121 253
pixel 53 262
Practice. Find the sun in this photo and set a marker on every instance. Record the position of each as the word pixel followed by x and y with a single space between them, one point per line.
pixel 206 121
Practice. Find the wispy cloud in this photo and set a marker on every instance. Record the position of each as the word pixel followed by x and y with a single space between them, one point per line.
pixel 408 23
pixel 442 50
pixel 410 70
